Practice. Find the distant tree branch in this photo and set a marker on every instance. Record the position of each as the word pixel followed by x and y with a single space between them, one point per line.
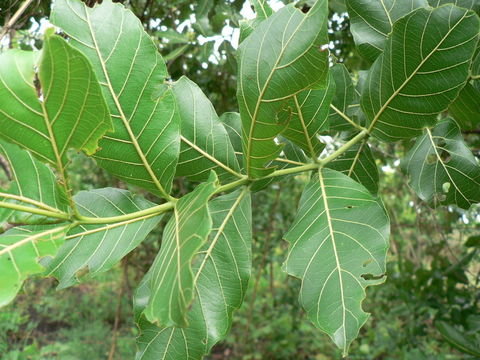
pixel 11 22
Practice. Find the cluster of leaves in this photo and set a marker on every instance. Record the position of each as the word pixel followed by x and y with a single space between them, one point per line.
pixel 106 91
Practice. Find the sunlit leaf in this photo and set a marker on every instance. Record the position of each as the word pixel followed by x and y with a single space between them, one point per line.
pixel 280 58
pixel 20 250
pixel 221 271
pixel 172 280
pixel 144 147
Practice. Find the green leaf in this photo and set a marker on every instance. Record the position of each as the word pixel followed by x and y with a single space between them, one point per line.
pixel 424 66
pixel 66 111
pixel 473 241
pixel 278 60
pixel 344 96
pixel 442 168
pixel 172 279
pixel 466 344
pixel 233 124
pixel 372 21
pixel 205 142
pixel 20 250
pixel 173 37
pixel 468 4
pixel 262 9
pixel 222 270
pixel 358 163
pixel 144 147
pixel 33 182
pixel 97 248
pixel 338 247
pixel 466 108
pixel 308 112
pixel 179 51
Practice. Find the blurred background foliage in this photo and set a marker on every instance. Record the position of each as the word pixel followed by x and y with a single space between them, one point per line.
pixel 427 309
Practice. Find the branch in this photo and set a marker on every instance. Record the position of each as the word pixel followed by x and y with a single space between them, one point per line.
pixel 345 117
pixel 11 23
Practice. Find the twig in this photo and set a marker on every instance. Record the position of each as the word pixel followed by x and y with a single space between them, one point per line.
pixel 11 23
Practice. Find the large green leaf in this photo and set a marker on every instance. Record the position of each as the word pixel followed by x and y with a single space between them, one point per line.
pixel 466 108
pixel 205 142
pixel 358 163
pixel 424 66
pixel 222 270
pixel 372 20
pixel 66 111
pixel 172 279
pixel 279 59
pixel 20 250
pixel 33 183
pixel 308 112
pixel 338 247
pixel 143 149
pixel 99 247
pixel 442 168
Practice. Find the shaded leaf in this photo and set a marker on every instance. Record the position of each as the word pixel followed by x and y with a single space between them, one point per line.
pixel 424 66
pixel 344 96
pixel 172 280
pixel 144 147
pixel 205 142
pixel 468 4
pixel 442 167
pixel 338 247
pixel 358 163
pixel 466 344
pixel 466 108
pixel 97 248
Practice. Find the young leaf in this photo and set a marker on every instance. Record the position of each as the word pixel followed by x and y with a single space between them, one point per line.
pixel 308 113
pixel 172 279
pixel 33 183
pixel 372 21
pixel 358 163
pixel 205 142
pixel 99 247
pixel 222 270
pixel 278 60
pixel 20 250
pixel 442 167
pixel 66 111
pixel 338 247
pixel 466 108
pixel 424 66
pixel 144 147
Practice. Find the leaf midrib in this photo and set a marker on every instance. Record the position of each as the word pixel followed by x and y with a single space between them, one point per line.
pixel 122 114
pixel 387 103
